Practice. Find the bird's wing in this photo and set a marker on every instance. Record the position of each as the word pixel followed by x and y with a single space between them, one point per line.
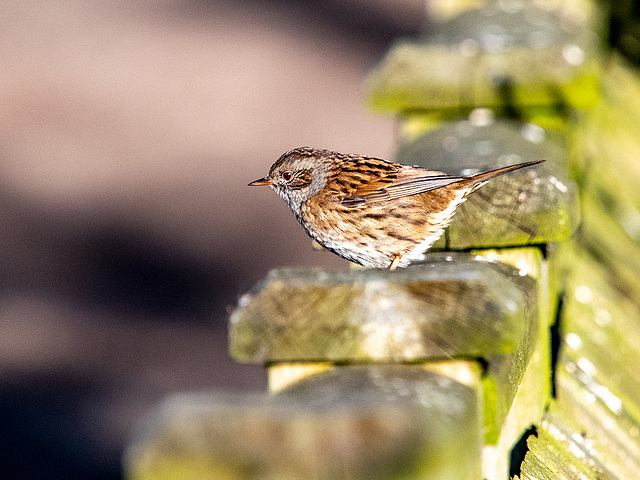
pixel 409 181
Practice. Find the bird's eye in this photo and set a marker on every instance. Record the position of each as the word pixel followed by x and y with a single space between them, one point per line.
pixel 286 175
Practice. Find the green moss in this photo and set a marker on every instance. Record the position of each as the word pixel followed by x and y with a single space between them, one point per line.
pixel 427 76
pixel 447 307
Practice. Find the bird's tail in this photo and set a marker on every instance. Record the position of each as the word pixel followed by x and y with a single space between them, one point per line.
pixel 481 178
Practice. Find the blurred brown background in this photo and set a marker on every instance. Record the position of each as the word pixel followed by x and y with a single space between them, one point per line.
pixel 128 133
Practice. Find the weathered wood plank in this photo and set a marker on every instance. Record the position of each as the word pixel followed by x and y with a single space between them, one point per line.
pixel 493 60
pixel 352 423
pixel 451 306
pixel 530 206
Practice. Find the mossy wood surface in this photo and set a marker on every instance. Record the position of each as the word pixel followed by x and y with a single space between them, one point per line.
pixel 535 205
pixel 359 422
pixel 455 305
pixel 494 57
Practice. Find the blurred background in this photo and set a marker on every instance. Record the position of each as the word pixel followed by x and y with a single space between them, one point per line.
pixel 128 134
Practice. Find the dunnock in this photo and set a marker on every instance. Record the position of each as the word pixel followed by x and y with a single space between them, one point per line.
pixel 367 210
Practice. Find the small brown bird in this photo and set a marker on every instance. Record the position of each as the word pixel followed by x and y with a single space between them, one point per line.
pixel 367 210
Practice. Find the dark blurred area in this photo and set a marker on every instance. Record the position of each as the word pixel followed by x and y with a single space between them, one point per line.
pixel 624 27
pixel 128 134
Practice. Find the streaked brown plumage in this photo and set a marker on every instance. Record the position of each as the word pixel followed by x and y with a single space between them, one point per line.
pixel 367 210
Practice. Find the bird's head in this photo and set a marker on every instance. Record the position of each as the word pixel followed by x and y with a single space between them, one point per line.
pixel 298 175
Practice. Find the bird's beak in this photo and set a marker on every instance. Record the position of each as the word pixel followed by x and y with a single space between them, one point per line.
pixel 262 181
